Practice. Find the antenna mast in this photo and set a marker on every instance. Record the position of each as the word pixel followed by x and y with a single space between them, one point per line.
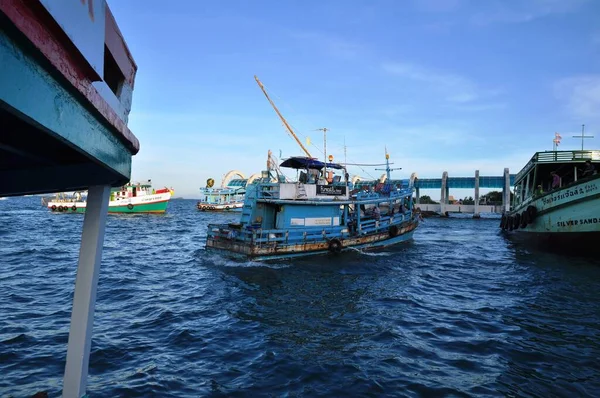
pixel 285 123
pixel 582 136
pixel 324 130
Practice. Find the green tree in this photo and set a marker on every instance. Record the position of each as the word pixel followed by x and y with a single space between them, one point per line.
pixel 426 200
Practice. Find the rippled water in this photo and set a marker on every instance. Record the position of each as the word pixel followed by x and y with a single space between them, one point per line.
pixel 460 311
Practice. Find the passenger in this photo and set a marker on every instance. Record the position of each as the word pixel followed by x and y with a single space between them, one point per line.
pixel 376 213
pixel 330 177
pixel 539 191
pixel 589 169
pixel 313 176
pixel 555 180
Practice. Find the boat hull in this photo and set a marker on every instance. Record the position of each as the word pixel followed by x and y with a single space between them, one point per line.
pixel 279 250
pixel 155 204
pixel 568 218
pixel 204 206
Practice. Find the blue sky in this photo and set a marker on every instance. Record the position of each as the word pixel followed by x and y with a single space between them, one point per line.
pixel 446 85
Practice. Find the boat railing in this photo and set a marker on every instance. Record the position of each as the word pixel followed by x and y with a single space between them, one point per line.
pixel 566 156
pixel 557 156
pixel 259 236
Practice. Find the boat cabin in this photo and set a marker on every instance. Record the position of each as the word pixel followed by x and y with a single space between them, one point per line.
pixel 536 178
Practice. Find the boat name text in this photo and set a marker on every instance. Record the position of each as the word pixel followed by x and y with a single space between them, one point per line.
pixel 581 221
pixel 568 193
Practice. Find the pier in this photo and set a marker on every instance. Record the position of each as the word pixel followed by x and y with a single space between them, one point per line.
pixel 476 182
pixel 503 182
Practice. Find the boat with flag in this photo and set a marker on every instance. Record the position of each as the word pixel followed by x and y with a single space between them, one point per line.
pixel 556 200
pixel 314 214
pixel 131 198
pixel 228 197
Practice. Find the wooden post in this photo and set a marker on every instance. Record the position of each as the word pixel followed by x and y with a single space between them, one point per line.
pixel 476 207
pixel 84 300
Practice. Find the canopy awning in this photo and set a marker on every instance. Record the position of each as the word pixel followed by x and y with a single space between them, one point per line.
pixel 299 162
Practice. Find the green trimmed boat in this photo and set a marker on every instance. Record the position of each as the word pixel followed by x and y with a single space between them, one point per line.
pixel 557 200
pixel 128 199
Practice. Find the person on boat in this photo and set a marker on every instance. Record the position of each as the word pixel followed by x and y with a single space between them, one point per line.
pixel 589 169
pixel 555 180
pixel 330 177
pixel 313 176
pixel 376 213
pixel 539 190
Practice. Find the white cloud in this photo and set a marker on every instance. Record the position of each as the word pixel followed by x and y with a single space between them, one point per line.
pixel 458 89
pixel 581 95
pixel 331 45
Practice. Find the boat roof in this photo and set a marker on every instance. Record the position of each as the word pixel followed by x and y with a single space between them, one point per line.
pixel 557 157
pixel 300 162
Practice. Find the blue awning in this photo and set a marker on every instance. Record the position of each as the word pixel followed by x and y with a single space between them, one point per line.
pixel 298 162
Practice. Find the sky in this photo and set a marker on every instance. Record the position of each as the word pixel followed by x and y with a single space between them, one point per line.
pixel 444 85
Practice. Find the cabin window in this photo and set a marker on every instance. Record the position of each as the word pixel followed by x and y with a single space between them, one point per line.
pixel 113 76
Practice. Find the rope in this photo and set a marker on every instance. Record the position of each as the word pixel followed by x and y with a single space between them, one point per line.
pixel 297 132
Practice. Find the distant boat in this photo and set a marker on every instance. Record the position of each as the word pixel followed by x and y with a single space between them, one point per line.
pixel 131 198
pixel 3 198
pixel 229 197
pixel 566 215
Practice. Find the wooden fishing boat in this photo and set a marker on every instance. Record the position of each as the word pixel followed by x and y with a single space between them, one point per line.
pixel 557 199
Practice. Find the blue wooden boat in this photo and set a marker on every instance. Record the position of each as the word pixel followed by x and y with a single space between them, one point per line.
pixel 282 219
pixel 566 215
pixel 229 197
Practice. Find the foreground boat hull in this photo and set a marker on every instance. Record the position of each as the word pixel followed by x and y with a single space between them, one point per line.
pixel 277 250
pixel 568 218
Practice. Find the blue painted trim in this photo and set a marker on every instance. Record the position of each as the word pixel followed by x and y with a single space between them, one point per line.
pixel 34 94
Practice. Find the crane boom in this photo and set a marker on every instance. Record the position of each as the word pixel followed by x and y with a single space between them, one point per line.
pixel 285 123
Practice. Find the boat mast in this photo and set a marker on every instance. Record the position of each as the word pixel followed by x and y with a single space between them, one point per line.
pixel 324 130
pixel 285 123
pixel 582 136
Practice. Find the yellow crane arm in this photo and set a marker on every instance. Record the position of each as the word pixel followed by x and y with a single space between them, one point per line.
pixel 282 118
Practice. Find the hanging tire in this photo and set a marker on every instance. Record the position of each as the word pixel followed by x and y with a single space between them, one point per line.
pixel 60 208
pixel 335 246
pixel 74 208
pixel 393 231
pixel 531 213
pixel 130 206
pixel 226 207
pixel 517 221
pixel 503 222
pixel 53 208
pixel 510 222
pixel 524 219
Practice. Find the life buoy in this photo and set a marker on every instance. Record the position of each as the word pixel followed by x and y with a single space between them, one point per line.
pixel 393 231
pixel 531 213
pixel 53 208
pixel 130 206
pixel 335 246
pixel 74 208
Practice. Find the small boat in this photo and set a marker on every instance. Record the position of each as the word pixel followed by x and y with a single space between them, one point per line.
pixel 131 198
pixel 229 197
pixel 557 199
